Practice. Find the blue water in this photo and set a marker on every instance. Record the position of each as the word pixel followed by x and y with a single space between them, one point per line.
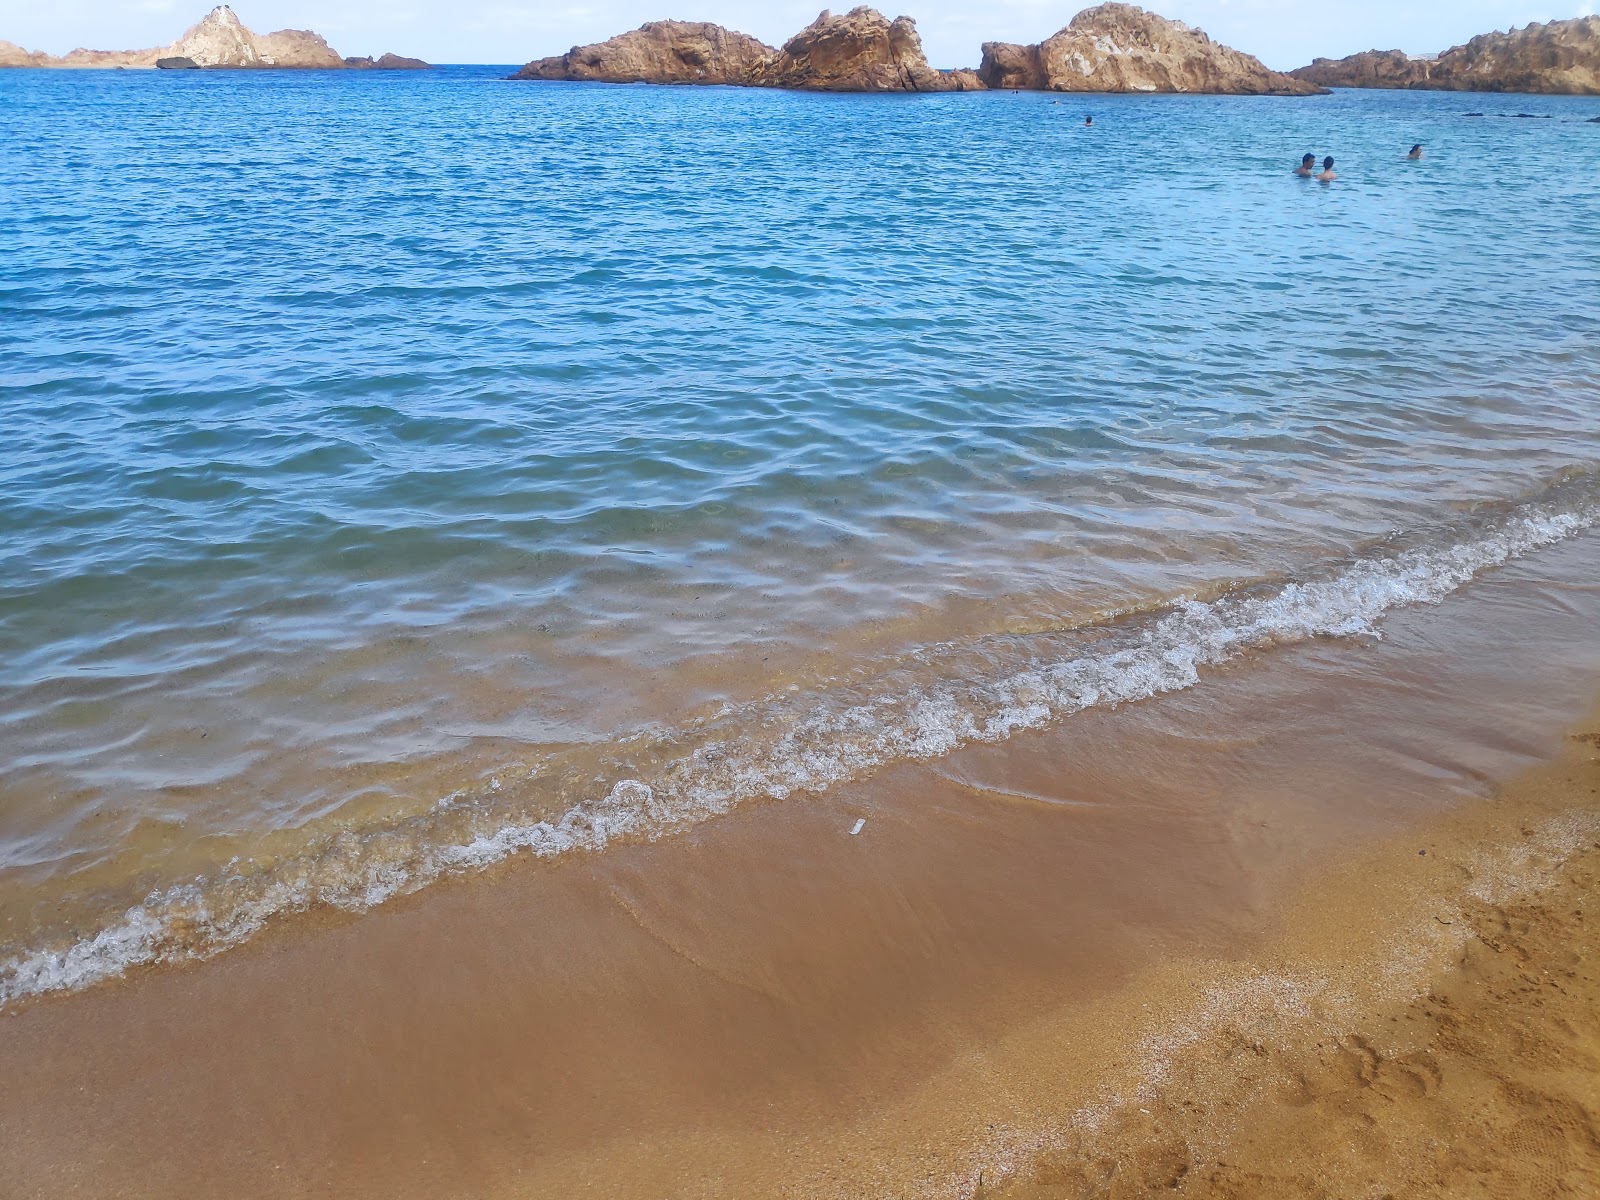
pixel 373 439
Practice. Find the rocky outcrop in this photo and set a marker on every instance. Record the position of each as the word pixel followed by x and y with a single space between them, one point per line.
pixel 1562 57
pixel 90 59
pixel 388 62
pixel 1121 48
pixel 1372 69
pixel 861 51
pixel 659 52
pixel 177 64
pixel 297 49
pixel 219 40
pixel 13 55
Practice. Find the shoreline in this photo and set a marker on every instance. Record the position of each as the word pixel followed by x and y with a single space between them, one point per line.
pixel 767 1006
pixel 1430 998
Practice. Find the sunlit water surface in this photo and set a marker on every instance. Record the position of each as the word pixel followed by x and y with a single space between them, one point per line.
pixel 404 470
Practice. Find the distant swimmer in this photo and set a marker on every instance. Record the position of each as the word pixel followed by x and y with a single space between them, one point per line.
pixel 1307 167
pixel 1327 175
pixel 1088 121
pixel 1416 152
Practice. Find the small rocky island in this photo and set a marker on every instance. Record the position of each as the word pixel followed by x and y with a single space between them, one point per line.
pixel 1560 58
pixel 861 51
pixel 1121 48
pixel 1111 48
pixel 219 40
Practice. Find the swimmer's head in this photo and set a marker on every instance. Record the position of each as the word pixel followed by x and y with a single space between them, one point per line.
pixel 1310 160
pixel 1327 163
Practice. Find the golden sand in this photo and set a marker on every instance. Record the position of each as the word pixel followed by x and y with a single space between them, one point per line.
pixel 1427 1025
pixel 1194 945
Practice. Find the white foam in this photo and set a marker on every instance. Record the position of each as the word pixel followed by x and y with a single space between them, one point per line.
pixel 818 749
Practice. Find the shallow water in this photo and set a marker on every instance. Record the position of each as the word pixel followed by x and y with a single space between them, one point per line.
pixel 404 471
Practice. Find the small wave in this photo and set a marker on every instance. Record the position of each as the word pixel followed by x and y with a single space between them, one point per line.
pixel 952 696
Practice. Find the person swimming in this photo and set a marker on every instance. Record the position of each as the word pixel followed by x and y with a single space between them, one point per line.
pixel 1307 167
pixel 1088 121
pixel 1327 175
pixel 1416 152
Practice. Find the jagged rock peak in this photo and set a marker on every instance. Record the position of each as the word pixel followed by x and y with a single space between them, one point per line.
pixel 1561 57
pixel 1123 48
pixel 860 51
pixel 219 39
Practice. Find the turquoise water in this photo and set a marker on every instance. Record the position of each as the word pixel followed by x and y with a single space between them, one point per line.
pixel 401 471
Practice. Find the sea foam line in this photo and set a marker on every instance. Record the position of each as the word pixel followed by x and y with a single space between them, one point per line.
pixel 830 745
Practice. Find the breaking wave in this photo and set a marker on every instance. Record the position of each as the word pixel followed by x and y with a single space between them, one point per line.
pixel 943 697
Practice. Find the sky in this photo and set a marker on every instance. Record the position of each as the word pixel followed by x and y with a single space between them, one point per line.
pixel 1283 33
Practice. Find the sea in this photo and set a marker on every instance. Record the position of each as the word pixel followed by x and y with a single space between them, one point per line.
pixel 403 473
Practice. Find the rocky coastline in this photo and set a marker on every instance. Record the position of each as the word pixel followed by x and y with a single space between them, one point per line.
pixel 1558 58
pixel 1113 47
pixel 1109 48
pixel 218 41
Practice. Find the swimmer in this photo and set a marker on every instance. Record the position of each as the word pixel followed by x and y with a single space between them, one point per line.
pixel 1307 167
pixel 1416 152
pixel 1327 175
pixel 1088 121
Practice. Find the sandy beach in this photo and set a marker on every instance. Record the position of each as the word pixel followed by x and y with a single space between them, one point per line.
pixel 1425 1026
pixel 871 630
pixel 1314 928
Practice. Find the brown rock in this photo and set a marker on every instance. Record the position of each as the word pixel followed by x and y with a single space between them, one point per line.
pixel 1372 69
pixel 1121 48
pixel 219 39
pixel 1562 57
pixel 861 51
pixel 299 49
pixel 13 55
pixel 388 62
pixel 659 52
pixel 1010 67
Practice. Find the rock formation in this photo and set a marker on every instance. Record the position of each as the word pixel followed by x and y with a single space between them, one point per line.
pixel 861 51
pixel 387 62
pixel 220 39
pixel 659 52
pixel 1372 69
pixel 1121 48
pixel 1562 57
pixel 13 55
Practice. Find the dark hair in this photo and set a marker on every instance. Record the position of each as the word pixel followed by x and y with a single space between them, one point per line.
pixel 1309 158
pixel 1417 147
pixel 1327 163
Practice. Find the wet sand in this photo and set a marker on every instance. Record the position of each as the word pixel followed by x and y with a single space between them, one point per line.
pixel 1427 1025
pixel 1154 945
